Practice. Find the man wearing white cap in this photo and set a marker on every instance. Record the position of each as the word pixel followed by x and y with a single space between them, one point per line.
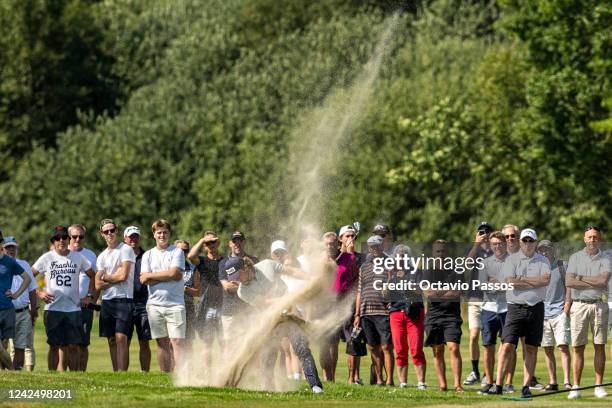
pixel 588 273
pixel 26 311
pixel 529 273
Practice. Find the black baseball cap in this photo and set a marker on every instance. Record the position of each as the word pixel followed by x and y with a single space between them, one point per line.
pixel 381 229
pixel 238 235
pixel 59 231
pixel 484 226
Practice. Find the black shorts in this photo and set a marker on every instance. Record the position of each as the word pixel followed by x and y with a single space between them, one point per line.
pixel 492 324
pixel 63 328
pixel 443 330
pixel 7 323
pixel 87 323
pixel 190 320
pixel 116 317
pixel 140 320
pixel 524 320
pixel 377 329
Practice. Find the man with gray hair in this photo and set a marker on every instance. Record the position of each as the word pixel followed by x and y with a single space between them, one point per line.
pixel 588 273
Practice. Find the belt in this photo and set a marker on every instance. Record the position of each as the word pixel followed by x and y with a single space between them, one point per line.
pixel 23 309
pixel 119 300
pixel 590 301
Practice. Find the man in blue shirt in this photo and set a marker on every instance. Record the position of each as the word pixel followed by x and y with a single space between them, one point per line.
pixel 9 268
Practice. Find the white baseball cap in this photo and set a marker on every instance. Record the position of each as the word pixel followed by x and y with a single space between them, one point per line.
pixel 131 230
pixel 345 229
pixel 278 244
pixel 528 232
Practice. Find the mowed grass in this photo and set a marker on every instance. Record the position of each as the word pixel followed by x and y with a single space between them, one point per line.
pixel 100 387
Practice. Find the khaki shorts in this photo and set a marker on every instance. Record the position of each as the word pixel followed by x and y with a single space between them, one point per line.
pixel 24 332
pixel 557 331
pixel 474 310
pixel 167 321
pixel 585 315
pixel 29 354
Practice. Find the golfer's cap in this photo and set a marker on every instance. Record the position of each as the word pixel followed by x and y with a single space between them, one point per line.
pixel 232 268
pixel 278 244
pixel 131 230
pixel 529 233
pixel 345 229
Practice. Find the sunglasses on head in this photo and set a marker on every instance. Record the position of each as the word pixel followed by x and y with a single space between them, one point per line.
pixel 60 238
pixel 109 231
pixel 77 236
pixel 592 227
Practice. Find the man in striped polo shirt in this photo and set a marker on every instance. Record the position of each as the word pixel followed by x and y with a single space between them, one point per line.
pixel 372 314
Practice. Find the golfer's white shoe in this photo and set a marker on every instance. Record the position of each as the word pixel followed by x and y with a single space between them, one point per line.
pixel 600 392
pixel 317 390
pixel 574 393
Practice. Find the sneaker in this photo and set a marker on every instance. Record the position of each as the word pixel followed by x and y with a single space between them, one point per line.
pixel 403 385
pixel 552 387
pixel 359 381
pixel 472 379
pixel 483 381
pixel 509 389
pixel 526 392
pixel 535 384
pixel 600 392
pixel 317 390
pixel 485 389
pixel 495 390
pixel 421 386
pixel 574 393
pixel 568 386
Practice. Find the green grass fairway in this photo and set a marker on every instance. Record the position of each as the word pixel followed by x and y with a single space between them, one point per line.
pixel 100 387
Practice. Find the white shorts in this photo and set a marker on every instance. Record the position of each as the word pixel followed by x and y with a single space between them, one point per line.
pixel 167 321
pixel 474 311
pixel 556 331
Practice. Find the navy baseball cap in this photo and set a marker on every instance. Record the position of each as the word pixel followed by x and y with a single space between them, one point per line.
pixel 484 226
pixel 232 268
pixel 59 231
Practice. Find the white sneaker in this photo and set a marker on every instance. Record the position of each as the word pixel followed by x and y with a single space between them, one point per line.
pixel 421 386
pixel 574 393
pixel 317 390
pixel 600 392
pixel 403 385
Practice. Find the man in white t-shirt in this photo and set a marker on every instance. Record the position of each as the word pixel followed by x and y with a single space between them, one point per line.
pixel 115 277
pixel 62 270
pixel 25 315
pixel 77 237
pixel 162 270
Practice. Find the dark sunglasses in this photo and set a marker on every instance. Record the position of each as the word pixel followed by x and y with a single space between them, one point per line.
pixel 529 240
pixel 60 238
pixel 213 242
pixel 77 236
pixel 510 236
pixel 236 240
pixel 592 227
pixel 109 231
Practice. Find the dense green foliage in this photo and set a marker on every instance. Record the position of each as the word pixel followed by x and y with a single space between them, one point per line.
pixel 201 112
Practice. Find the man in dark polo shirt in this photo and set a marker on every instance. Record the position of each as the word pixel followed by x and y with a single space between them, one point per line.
pixel 443 320
pixel 140 319
pixel 372 314
pixel 529 273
